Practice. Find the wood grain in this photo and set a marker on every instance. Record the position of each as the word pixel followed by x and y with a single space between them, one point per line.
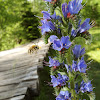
pixel 18 71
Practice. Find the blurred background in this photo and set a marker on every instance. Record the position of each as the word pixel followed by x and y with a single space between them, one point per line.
pixel 19 25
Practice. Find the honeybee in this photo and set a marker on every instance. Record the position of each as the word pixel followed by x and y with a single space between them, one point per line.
pixel 33 48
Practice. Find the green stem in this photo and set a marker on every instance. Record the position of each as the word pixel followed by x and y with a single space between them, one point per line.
pixel 69 56
pixel 73 90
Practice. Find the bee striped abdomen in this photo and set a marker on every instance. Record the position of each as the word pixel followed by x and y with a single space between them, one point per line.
pixel 33 48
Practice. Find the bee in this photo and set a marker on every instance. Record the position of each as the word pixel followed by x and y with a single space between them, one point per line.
pixel 33 48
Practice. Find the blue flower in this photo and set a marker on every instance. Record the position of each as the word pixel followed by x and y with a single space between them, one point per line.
pixel 77 51
pixel 46 15
pixel 65 41
pixel 54 16
pixel 52 27
pixel 60 44
pixel 85 26
pixel 73 32
pixel 53 62
pixel 76 88
pixel 79 23
pixel 82 65
pixel 65 78
pixel 59 30
pixel 47 26
pixel 57 45
pixel 43 21
pixel 82 28
pixel 73 7
pixel 86 87
pixel 74 66
pixel 60 80
pixel 64 95
pixel 48 0
pixel 68 68
pixel 64 9
pixel 54 81
pixel 52 38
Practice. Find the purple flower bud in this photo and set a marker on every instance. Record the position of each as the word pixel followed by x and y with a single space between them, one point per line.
pixel 60 80
pixel 73 7
pixel 54 81
pixel 86 87
pixel 82 65
pixel 52 38
pixel 85 26
pixel 68 68
pixel 47 26
pixel 64 95
pixel 77 51
pixel 76 88
pixel 73 32
pixel 53 62
pixel 53 16
pixel 51 25
pixel 48 0
pixel 46 15
pixel 64 9
pixel 74 66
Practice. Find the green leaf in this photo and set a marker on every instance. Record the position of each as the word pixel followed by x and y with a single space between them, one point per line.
pixel 62 73
pixel 64 89
pixel 92 96
pixel 85 77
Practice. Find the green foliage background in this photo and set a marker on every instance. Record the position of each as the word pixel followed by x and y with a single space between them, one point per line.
pixel 18 24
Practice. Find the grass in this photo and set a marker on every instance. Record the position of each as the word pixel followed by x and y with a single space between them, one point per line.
pixel 92 53
pixel 94 49
pixel 45 89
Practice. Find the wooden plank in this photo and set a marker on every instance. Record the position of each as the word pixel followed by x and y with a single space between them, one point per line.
pixel 20 78
pixel 10 93
pixel 21 57
pixel 18 97
pixel 11 87
pixel 10 66
pixel 19 60
pixel 13 71
pixel 17 72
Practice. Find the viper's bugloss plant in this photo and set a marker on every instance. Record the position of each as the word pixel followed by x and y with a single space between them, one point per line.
pixel 62 25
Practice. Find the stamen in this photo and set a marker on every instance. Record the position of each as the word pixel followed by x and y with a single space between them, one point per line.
pixel 54 67
pixel 68 15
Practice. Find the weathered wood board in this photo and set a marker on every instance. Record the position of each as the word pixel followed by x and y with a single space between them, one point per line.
pixel 18 71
